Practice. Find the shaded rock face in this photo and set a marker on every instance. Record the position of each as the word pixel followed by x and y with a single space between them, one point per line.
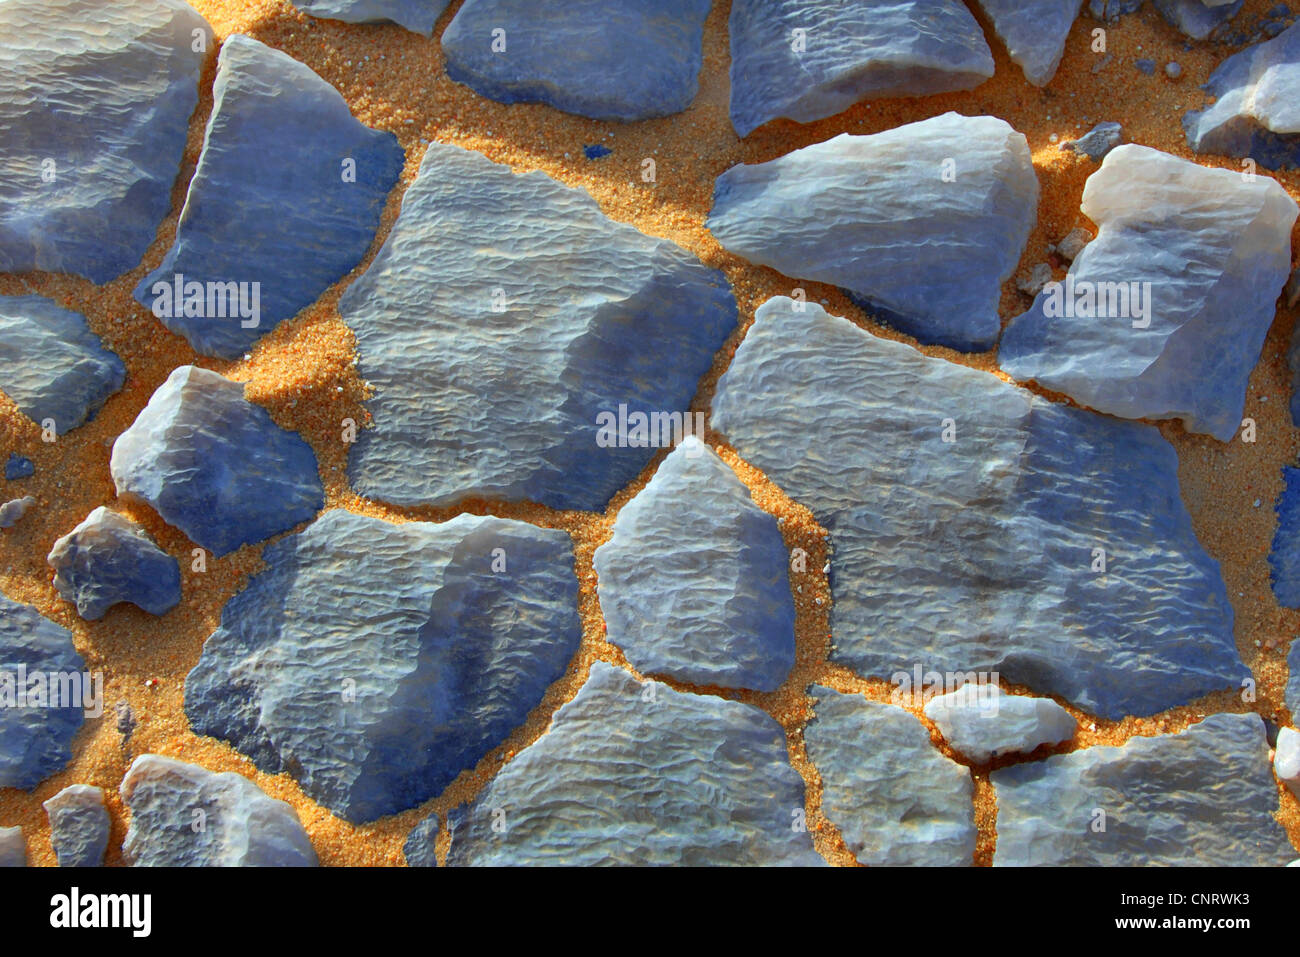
pixel 895 799
pixel 1256 112
pixel 1201 797
pixel 640 774
pixel 18 467
pixel 493 364
pixel 12 511
pixel 1198 18
pixel 1292 693
pixel 79 826
pixel 1097 142
pixel 626 60
pixel 983 722
pixel 808 59
pixel 95 101
pixel 1284 556
pixel 1034 34
pixel 967 515
pixel 183 815
pixel 52 365
pixel 375 662
pixel 694 582
pixel 13 850
pixel 419 846
pixel 418 16
pixel 214 464
pixel 285 202
pixel 109 559
pixel 920 224
pixel 35 737
pixel 1164 314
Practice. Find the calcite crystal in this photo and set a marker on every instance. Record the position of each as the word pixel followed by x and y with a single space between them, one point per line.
pixel 640 774
pixel 418 16
pixel 285 201
pixel 1164 314
pixel 808 59
pixel 921 224
pixel 183 815
pixel 1201 797
pixel 694 582
pixel 79 826
pixel 375 662
pixel 214 464
pixel 497 365
pixel 1034 33
pixel 977 527
pixel 95 102
pixel 629 60
pixel 109 559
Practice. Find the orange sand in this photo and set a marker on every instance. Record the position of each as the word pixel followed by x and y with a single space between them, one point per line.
pixel 304 374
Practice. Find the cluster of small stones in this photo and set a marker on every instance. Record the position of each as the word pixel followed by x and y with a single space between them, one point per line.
pixel 519 346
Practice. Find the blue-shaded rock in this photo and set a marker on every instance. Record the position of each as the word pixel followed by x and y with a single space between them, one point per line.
pixel 640 774
pixel 19 467
pixel 214 464
pixel 375 662
pixel 494 360
pixel 920 224
pixel 419 16
pixel 695 534
pixel 1111 10
pixel 109 559
pixel 183 815
pixel 285 202
pixel 1203 797
pixel 1034 34
pixel 37 718
pixel 895 799
pixel 980 554
pixel 1097 142
pixel 1164 314
pixel 627 60
pixel 95 102
pixel 1256 112
pixel 13 510
pixel 982 722
pixel 79 826
pixel 1198 18
pixel 1284 556
pixel 808 59
pixel 52 365
pixel 419 846
pixel 1292 692
pixel 13 850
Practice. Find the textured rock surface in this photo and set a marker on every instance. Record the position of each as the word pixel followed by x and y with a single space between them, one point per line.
pixel 214 464
pixel 109 559
pixel 850 52
pixel 52 365
pixel 921 224
pixel 419 846
pixel 104 93
pixel 694 582
pixel 1286 761
pixel 18 467
pixel 1198 18
pixel 1097 142
pixel 1292 693
pixel 895 799
pixel 1284 556
pixel 13 850
pixel 978 554
pixel 1203 252
pixel 1203 797
pixel 1257 110
pixel 576 55
pixel 983 722
pixel 644 775
pixel 14 509
pixel 273 202
pixel 35 738
pixel 1034 34
pixel 416 15
pixel 1111 10
pixel 79 826
pixel 375 662
pixel 240 825
pixel 491 362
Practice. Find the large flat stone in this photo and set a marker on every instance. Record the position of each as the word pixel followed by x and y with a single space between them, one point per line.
pixel 418 16
pixel 920 224
pixel 109 559
pixel 285 201
pixel 1204 797
pixel 636 774
pixel 1164 314
pixel 847 52
pixel 95 102
pixel 492 359
pixel 977 554
pixel 1034 33
pixel 375 662
pixel 79 826
pixel 214 464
